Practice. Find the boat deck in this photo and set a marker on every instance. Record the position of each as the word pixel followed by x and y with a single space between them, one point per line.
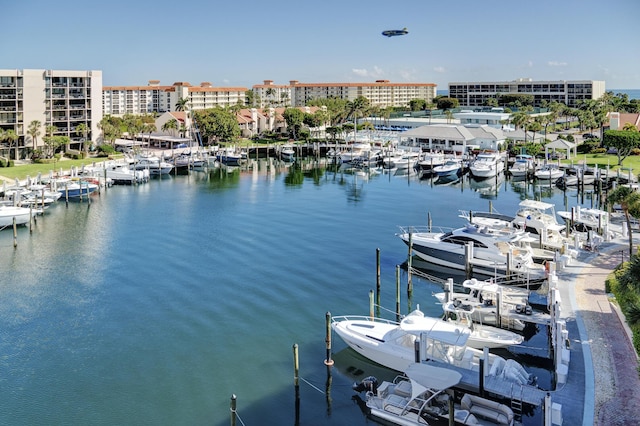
pixel 471 382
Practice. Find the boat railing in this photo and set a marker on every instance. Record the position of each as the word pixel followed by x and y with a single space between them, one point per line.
pixel 341 318
pixel 423 229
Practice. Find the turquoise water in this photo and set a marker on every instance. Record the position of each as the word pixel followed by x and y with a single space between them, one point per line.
pixel 155 303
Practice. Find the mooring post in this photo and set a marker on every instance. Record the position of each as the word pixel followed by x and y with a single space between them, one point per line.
pixel 481 382
pixel 429 221
pixel 398 293
pixel 416 349
pixel 328 360
pixel 15 233
pixel 232 408
pixel 409 280
pixel 377 276
pixel 296 366
pixel 371 304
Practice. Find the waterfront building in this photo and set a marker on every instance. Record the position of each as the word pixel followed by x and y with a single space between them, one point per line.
pixel 272 95
pixel 381 93
pixel 568 92
pixel 456 138
pixel 61 99
pixel 120 100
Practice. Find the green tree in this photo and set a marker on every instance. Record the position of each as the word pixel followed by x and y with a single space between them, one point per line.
pixel 629 201
pixel 446 103
pixel 270 93
pixel 34 132
pixel 182 104
pixel 624 141
pixel 417 104
pixel 12 137
pixel 170 126
pixel 294 118
pixel 83 130
pixel 218 123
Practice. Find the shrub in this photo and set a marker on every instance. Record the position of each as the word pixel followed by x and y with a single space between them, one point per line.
pixel 3 162
pixel 106 149
pixel 599 151
pixel 587 147
pixel 75 154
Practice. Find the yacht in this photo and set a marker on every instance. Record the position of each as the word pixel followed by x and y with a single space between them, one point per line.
pixel 451 167
pixel 549 172
pixel 486 165
pixel 487 251
pixel 523 166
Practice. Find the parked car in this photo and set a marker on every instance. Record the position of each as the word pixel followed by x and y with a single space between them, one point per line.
pixel 589 136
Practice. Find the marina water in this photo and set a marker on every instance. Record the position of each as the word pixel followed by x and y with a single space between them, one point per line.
pixel 154 304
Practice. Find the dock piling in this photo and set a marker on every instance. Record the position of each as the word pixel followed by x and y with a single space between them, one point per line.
pixel 328 361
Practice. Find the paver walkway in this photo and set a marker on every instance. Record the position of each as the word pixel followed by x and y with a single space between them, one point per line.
pixel 617 383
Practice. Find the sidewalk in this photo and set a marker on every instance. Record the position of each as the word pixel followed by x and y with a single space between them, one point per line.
pixel 612 387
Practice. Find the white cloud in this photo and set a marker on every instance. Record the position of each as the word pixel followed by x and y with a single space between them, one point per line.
pixel 439 70
pixel 376 72
pixel 557 64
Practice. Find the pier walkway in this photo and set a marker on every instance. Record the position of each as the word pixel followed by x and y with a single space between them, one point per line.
pixel 603 387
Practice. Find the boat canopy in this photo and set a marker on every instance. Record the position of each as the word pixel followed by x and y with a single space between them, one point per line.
pixel 433 328
pixel 430 377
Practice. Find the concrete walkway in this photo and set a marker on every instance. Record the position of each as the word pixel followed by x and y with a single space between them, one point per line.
pixel 612 382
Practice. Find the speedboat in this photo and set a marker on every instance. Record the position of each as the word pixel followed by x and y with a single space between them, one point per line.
pixel 486 165
pixel 75 188
pixel 287 153
pixel 153 164
pixel 548 172
pixel 523 166
pixel 230 156
pixel 430 159
pixel 488 251
pixel 355 150
pixel 452 167
pixel 393 344
pixel 419 397
pixel 122 173
pixel 22 215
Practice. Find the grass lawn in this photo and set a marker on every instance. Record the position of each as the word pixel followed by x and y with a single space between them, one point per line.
pixel 602 160
pixel 21 171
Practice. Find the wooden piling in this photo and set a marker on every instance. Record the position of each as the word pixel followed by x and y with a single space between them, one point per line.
pixel 296 366
pixel 429 220
pixel 416 350
pixel 371 304
pixel 327 340
pixel 378 276
pixel 15 233
pixel 398 293
pixel 409 280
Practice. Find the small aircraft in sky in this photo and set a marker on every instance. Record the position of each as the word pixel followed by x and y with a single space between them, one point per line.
pixel 393 33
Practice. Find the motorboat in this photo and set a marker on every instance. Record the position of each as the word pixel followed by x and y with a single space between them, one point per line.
pixel 430 159
pixel 287 153
pixel 230 156
pixel 408 160
pixel 419 397
pixel 587 219
pixel 355 150
pixel 22 215
pixel 154 164
pixel 488 251
pixel 548 172
pixel 451 167
pixel 124 174
pixel 523 166
pixel 486 164
pixel 69 188
pixel 393 344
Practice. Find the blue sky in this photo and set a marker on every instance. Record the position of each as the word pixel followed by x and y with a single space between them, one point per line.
pixel 242 43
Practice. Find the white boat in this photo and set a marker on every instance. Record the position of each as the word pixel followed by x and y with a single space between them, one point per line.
pixel 22 215
pixel 452 167
pixel 486 165
pixel 430 159
pixel 152 163
pixel 75 188
pixel 419 398
pixel 355 150
pixel 523 166
pixel 122 173
pixel 287 153
pixel 230 156
pixel 392 344
pixel 548 172
pixel 408 160
pixel 483 335
pixel 492 252
pixel 586 219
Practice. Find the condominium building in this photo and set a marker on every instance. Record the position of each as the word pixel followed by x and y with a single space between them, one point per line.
pixel 120 100
pixel 269 94
pixel 61 99
pixel 568 92
pixel 381 93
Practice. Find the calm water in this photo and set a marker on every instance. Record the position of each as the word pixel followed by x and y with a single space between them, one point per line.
pixel 154 304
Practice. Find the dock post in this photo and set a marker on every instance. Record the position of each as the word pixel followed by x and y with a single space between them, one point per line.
pixel 232 409
pixel 398 293
pixel 371 305
pixel 468 268
pixel 429 221
pixel 15 233
pixel 328 361
pixel 471 216
pixel 448 290
pixel 498 307
pixel 416 349
pixel 491 204
pixel 378 276
pixel 296 367
pixel 409 280
pixel 31 219
pixel 547 410
pixel 452 411
pixel 481 382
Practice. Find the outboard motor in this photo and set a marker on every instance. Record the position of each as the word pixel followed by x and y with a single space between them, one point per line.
pixel 368 384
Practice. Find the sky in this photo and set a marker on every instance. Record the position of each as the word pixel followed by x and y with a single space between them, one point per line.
pixel 243 43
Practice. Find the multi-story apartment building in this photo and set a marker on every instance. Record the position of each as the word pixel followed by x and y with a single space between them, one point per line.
pixel 62 99
pixel 272 95
pixel 381 93
pixel 120 100
pixel 568 92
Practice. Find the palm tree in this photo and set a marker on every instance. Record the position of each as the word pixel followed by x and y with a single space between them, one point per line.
pixel 83 130
pixel 170 126
pixel 270 92
pixel 149 128
pixel 34 132
pixel 629 200
pixel 11 136
pixel 182 104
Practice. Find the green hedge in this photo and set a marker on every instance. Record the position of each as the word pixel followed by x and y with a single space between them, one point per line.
pixel 627 296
